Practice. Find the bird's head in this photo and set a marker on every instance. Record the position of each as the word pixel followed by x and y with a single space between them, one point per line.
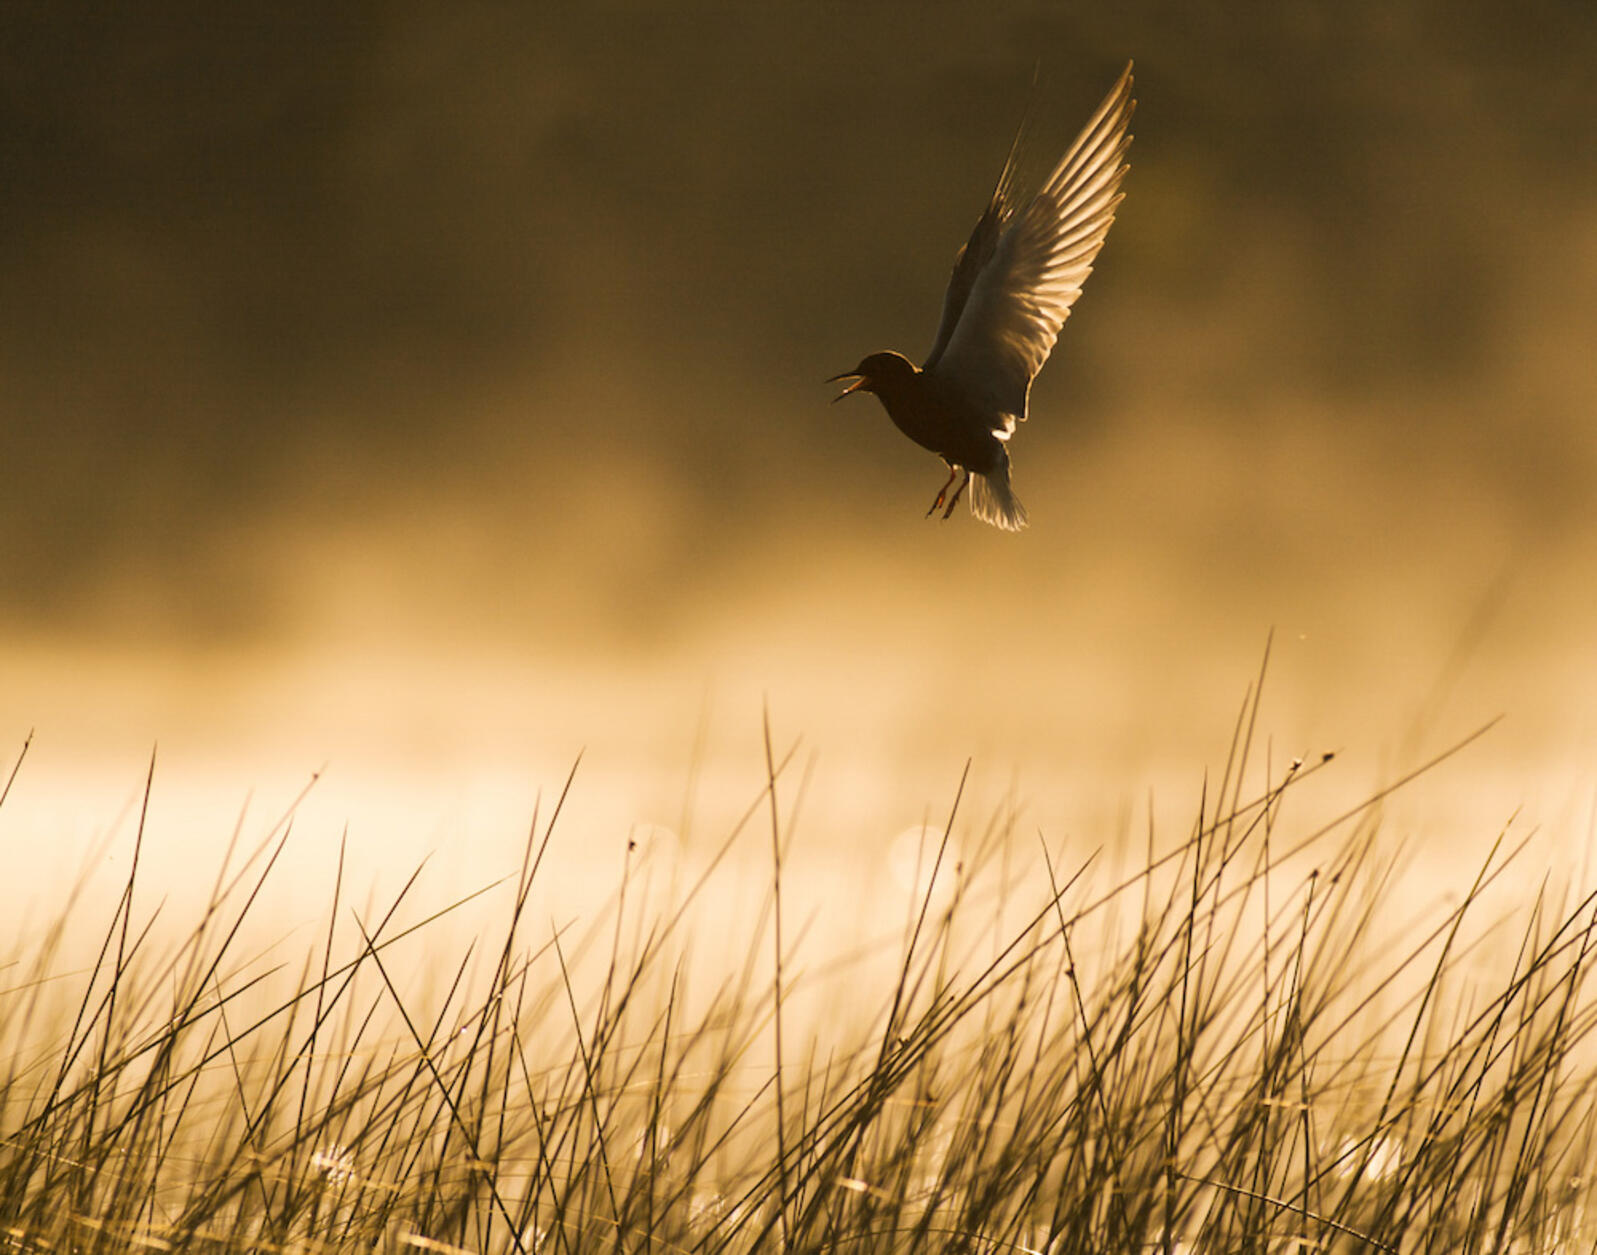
pixel 875 373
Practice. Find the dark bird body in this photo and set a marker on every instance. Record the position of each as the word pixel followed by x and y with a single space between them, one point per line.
pixel 1012 288
pixel 932 414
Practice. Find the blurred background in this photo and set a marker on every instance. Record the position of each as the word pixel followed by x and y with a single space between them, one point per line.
pixel 432 393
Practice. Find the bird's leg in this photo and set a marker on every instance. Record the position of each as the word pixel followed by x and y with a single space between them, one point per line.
pixel 942 493
pixel 954 500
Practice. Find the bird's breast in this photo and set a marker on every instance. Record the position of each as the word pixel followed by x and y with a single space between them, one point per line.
pixel 936 419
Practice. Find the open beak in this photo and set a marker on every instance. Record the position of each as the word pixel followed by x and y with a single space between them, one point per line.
pixel 859 382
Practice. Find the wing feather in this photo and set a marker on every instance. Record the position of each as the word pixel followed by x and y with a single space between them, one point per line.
pixel 1025 268
pixel 977 251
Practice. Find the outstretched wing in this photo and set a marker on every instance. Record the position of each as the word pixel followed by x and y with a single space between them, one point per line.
pixel 978 249
pixel 1020 294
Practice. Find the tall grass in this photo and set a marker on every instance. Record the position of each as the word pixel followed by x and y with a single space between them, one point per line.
pixel 1233 1046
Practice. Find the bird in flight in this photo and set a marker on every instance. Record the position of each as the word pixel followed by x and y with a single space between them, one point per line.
pixel 1012 288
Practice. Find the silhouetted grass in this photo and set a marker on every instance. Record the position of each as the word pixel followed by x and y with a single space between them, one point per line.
pixel 1233 1047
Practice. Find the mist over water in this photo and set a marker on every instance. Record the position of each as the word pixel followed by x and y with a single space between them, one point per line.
pixel 435 396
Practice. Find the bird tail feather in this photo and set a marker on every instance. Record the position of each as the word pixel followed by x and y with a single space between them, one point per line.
pixel 993 501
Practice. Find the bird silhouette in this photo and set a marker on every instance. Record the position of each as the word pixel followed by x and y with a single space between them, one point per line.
pixel 1013 284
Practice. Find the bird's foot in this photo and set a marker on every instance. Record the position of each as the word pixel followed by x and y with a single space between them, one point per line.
pixel 954 500
pixel 942 493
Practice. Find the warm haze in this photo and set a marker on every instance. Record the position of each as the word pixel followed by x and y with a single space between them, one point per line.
pixel 404 401
pixel 430 394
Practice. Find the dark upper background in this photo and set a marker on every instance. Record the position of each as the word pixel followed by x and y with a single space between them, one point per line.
pixel 476 323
